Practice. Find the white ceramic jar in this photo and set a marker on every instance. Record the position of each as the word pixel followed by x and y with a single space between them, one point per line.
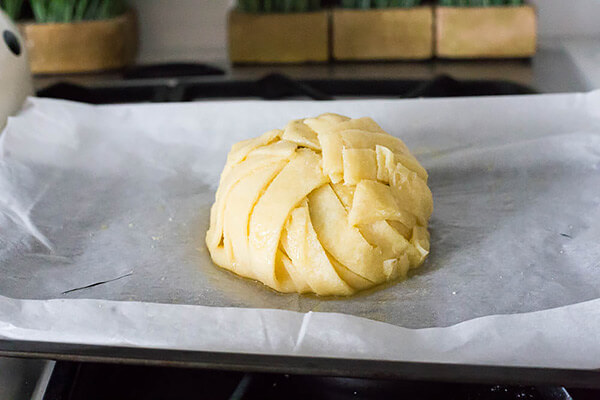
pixel 15 78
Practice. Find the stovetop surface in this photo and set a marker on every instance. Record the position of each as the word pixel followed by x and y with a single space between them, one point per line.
pixel 276 86
pixel 548 72
pixel 90 381
pixel 551 70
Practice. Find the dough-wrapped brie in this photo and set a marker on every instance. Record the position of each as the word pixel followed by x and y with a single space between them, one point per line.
pixel 329 205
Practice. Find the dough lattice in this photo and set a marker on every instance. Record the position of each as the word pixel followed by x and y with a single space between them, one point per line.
pixel 329 205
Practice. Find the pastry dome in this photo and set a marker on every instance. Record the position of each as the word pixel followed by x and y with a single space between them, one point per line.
pixel 329 205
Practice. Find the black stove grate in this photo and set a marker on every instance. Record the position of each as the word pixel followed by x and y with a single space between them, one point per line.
pixel 91 381
pixel 278 87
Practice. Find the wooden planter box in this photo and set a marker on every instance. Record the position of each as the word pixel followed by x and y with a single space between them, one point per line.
pixel 81 46
pixel 485 32
pixel 278 38
pixel 389 34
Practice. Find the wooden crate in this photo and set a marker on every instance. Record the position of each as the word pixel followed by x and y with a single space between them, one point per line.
pixel 383 34
pixel 485 32
pixel 58 48
pixel 278 38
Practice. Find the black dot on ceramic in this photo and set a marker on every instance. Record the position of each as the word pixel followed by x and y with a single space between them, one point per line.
pixel 12 42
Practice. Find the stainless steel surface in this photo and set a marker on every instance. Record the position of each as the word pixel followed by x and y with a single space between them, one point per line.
pixel 43 381
pixel 19 378
pixel 305 365
pixel 550 71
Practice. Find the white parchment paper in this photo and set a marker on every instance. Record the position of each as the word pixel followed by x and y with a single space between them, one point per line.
pixel 104 210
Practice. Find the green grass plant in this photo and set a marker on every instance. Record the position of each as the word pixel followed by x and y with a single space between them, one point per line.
pixel 48 11
pixel 368 4
pixel 278 6
pixel 12 8
pixel 480 3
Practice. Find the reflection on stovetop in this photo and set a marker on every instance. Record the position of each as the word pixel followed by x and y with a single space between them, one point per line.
pixel 278 86
pixel 89 381
pixel 552 70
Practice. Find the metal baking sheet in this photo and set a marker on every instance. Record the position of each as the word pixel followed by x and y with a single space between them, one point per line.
pixel 359 368
pixel 111 203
